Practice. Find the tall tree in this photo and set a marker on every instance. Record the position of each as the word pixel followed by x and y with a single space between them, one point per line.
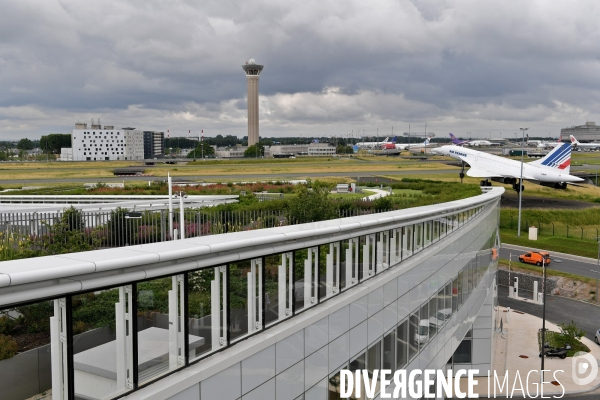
pixel 202 150
pixel 25 144
pixel 53 142
pixel 254 151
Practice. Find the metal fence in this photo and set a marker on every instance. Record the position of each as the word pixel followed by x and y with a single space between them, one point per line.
pixel 553 228
pixel 77 230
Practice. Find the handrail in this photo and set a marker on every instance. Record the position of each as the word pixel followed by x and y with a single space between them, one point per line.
pixel 42 277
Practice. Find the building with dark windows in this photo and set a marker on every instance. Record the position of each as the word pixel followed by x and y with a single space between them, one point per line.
pixel 266 314
pixel 104 143
pixel 154 144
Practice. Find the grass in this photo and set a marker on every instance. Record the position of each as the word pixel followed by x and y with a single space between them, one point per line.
pixel 584 248
pixel 582 217
pixel 246 161
pixel 556 340
pixel 199 169
pixel 407 192
pixel 349 196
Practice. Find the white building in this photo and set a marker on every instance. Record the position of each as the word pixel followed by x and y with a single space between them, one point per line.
pixel 234 152
pixel 96 143
pixel 66 153
pixel 320 150
pixel 312 149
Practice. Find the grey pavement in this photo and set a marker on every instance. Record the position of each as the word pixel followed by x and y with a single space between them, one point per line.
pixel 560 262
pixel 558 309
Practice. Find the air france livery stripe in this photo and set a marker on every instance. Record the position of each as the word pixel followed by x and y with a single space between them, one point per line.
pixel 561 158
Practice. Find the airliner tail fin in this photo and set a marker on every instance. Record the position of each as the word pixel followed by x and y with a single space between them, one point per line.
pixel 559 158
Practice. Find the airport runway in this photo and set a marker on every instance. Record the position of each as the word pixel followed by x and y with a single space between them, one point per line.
pixel 572 264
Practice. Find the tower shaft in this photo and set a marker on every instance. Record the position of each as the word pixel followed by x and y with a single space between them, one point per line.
pixel 252 71
pixel 253 135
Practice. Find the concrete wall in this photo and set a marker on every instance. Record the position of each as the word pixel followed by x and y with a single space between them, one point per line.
pixel 35 366
pixel 525 281
pixel 253 133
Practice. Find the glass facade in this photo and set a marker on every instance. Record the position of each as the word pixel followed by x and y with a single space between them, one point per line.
pixel 127 336
pixel 160 339
pixel 101 343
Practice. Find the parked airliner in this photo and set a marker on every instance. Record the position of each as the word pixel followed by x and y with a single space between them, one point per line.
pixel 583 146
pixel 475 143
pixel 391 145
pixel 426 144
pixel 552 170
pixel 406 146
pixel 372 145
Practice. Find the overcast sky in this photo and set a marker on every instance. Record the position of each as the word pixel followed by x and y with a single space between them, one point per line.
pixel 332 67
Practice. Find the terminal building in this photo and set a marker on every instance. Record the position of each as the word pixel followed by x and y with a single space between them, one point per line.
pixel 265 314
pixel 590 132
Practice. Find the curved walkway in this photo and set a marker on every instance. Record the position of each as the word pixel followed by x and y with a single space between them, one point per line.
pixel 378 193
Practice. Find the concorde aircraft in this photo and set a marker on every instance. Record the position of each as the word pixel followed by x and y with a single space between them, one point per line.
pixel 552 170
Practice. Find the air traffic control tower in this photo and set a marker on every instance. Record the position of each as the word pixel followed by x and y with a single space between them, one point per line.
pixel 252 73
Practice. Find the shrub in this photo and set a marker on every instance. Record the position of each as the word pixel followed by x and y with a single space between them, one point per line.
pixel 8 347
pixel 311 205
pixel 570 333
pixel 7 324
pixel 383 204
pixel 35 318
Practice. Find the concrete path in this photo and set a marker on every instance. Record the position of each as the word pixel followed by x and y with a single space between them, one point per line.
pixel 378 193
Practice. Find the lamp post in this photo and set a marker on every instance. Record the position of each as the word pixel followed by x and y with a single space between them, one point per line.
pixel 169 182
pixel 598 269
pixel 543 318
pixel 425 138
pixel 181 196
pixel 520 187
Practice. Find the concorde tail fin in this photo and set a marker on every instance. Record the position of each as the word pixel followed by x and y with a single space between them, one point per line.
pixel 559 158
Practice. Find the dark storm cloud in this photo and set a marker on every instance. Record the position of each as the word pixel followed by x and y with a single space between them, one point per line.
pixel 462 64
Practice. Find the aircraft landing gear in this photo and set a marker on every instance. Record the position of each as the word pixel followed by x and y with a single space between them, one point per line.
pixel 517 186
pixel 485 182
pixel 462 171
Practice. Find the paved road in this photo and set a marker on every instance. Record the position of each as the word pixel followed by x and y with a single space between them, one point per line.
pixel 558 310
pixel 571 264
